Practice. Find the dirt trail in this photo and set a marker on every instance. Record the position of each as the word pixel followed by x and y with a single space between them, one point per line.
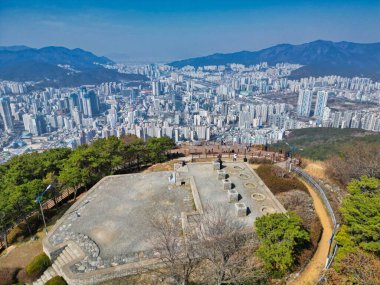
pixel 312 272
pixel 21 254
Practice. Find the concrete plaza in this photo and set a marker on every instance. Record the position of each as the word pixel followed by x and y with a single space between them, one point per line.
pixel 111 224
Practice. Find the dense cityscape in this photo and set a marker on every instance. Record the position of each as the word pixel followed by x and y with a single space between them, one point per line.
pixel 227 103
pixel 189 142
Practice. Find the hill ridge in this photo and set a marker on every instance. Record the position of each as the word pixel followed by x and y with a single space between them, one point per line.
pixel 46 65
pixel 318 58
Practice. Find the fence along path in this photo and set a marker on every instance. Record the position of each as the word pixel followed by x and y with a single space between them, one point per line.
pixel 48 204
pixel 332 247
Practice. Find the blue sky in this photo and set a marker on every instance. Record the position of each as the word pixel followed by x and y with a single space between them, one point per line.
pixel 160 30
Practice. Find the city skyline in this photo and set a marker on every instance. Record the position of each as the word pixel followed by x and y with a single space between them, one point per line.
pixel 234 104
pixel 165 30
pixel 189 142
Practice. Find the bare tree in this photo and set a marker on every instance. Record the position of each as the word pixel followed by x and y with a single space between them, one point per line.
pixel 355 268
pixel 3 227
pixel 355 161
pixel 363 268
pixel 215 248
pixel 174 247
pixel 226 245
pixel 279 172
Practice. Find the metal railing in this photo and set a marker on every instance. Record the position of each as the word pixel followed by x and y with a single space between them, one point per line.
pixel 48 204
pixel 332 248
pixel 320 191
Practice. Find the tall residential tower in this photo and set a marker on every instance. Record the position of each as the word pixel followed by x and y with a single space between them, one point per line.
pixel 304 102
pixel 321 103
pixel 6 114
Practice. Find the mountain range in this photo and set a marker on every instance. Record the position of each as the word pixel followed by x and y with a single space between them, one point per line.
pixel 60 66
pixel 318 58
pixel 57 66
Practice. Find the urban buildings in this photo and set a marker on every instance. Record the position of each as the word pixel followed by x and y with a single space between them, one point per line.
pixel 231 104
pixel 304 102
pixel 321 103
pixel 6 114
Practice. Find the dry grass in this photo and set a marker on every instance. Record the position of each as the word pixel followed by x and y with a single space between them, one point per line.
pixel 164 166
pixel 21 253
pixel 8 276
pixel 301 203
pixel 149 278
pixel 204 159
pixel 316 168
pixel 319 170
pixel 278 180
pixel 254 166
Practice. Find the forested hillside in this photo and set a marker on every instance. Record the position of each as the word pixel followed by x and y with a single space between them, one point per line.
pixel 24 177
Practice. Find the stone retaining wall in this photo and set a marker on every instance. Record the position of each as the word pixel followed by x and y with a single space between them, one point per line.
pixel 90 269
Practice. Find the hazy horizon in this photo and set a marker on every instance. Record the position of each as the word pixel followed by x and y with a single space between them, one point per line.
pixel 167 30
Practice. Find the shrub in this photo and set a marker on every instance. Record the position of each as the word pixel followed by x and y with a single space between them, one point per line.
pixel 279 183
pixel 57 280
pixel 14 234
pixel 21 231
pixel 50 213
pixel 259 160
pixel 38 265
pixel 34 221
pixel 360 211
pixel 301 203
pixel 23 278
pixel 8 276
pixel 355 268
pixel 282 238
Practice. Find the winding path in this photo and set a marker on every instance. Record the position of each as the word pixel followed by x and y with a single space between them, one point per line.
pixel 314 268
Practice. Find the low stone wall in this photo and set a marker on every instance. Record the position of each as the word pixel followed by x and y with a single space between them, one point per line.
pixel 267 190
pixel 102 275
pixel 52 248
pixel 90 268
pixel 197 199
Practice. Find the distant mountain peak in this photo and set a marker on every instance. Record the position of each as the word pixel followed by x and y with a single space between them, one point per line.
pixel 319 58
pixel 45 64
pixel 14 48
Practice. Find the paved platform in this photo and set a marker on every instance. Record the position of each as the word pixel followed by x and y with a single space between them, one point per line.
pixel 110 225
pixel 244 180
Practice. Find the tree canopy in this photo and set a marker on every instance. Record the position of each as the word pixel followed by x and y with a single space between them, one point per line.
pixel 281 236
pixel 22 178
pixel 25 176
pixel 361 217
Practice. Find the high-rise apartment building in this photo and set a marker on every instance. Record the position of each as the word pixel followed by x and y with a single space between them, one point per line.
pixel 6 114
pixel 90 104
pixel 73 102
pixel 156 88
pixel 321 103
pixel 35 124
pixel 304 102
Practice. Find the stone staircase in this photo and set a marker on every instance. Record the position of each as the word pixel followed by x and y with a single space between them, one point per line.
pixel 67 255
